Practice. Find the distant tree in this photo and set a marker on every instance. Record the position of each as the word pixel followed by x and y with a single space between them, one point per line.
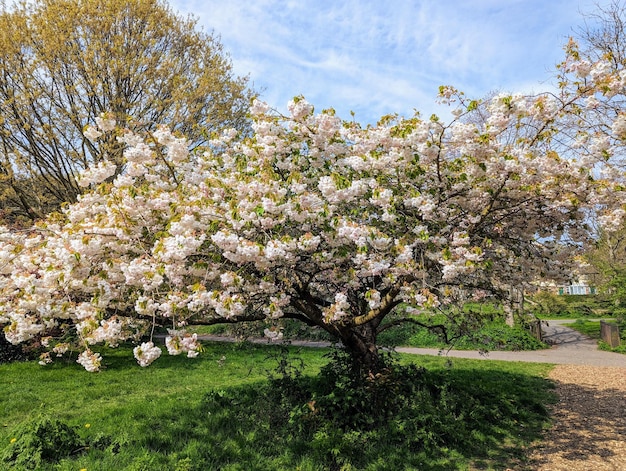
pixel 607 256
pixel 601 45
pixel 65 62
pixel 603 34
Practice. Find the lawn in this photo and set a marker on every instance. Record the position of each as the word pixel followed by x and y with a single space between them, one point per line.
pixel 221 411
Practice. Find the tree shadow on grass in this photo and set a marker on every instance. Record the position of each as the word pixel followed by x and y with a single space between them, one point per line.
pixel 452 418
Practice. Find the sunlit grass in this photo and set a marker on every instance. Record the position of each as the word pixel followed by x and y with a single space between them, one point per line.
pixel 161 418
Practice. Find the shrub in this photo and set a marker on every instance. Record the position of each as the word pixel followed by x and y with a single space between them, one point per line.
pixel 548 304
pixel 41 441
pixel 499 336
pixel 343 419
pixel 44 441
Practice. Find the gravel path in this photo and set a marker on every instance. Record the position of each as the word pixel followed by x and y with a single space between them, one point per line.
pixel 589 421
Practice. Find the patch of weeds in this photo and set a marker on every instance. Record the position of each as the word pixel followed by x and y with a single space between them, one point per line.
pixel 41 441
pixel 44 441
pixel 499 336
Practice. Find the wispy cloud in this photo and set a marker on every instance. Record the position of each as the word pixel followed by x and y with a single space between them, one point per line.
pixel 378 58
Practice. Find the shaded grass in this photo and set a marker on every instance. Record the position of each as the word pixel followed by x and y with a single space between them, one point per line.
pixel 219 412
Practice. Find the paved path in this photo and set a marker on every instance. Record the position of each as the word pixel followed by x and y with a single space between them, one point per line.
pixel 569 347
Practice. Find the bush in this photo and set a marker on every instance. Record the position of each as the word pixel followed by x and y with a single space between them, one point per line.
pixel 548 304
pixel 404 417
pixel 10 352
pixel 44 441
pixel 480 335
pixel 499 336
pixel 41 441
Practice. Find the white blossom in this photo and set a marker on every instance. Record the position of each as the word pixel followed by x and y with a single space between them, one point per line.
pixel 90 361
pixel 146 353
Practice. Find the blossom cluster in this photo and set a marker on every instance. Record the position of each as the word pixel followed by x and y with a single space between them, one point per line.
pixel 146 353
pixel 178 342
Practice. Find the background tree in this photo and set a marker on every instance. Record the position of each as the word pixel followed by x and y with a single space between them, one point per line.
pixel 603 34
pixel 599 126
pixel 65 62
pixel 607 257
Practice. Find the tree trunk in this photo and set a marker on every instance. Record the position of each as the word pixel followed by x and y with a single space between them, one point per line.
pixel 508 311
pixel 360 342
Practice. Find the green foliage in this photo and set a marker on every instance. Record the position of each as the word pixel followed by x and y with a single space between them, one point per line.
pixel 41 441
pixel 551 306
pixel 483 335
pixel 499 336
pixel 405 417
pixel 621 348
pixel 44 441
pixel 616 288
pixel 545 304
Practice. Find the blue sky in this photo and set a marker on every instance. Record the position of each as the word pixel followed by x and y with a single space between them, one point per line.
pixel 377 58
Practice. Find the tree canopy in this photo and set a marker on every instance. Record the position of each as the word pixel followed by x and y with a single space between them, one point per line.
pixel 65 62
pixel 310 218
pixel 318 219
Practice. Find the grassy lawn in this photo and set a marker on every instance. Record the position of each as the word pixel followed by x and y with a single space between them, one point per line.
pixel 218 411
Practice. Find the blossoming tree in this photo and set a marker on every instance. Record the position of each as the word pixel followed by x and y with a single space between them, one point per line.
pixel 311 218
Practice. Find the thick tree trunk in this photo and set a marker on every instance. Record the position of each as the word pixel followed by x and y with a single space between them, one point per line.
pixel 360 342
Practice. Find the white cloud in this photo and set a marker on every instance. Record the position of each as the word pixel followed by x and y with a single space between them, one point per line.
pixel 378 58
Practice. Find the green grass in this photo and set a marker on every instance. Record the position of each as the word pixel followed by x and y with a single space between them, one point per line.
pixel 493 335
pixel 216 412
pixel 592 329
